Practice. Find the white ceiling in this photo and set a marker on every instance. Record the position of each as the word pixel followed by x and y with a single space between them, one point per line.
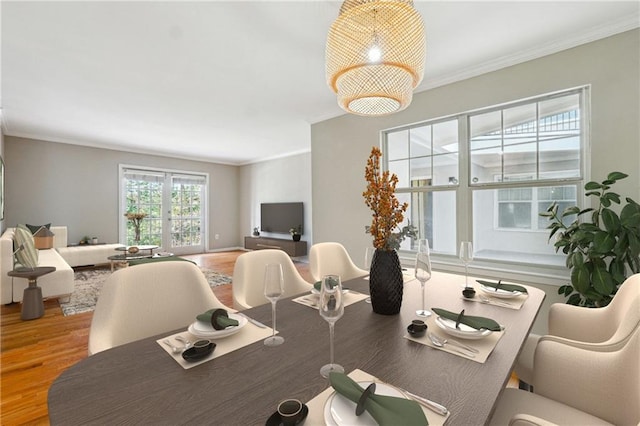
pixel 238 82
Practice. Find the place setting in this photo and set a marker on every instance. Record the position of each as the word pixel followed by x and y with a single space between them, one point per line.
pixel 214 333
pixel 312 299
pixel 467 336
pixel 504 295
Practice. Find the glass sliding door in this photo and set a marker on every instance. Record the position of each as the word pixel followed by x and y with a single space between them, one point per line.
pixel 173 204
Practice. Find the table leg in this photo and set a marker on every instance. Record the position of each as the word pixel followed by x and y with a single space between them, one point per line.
pixel 32 303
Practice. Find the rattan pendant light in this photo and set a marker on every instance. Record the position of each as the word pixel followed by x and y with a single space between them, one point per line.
pixel 375 55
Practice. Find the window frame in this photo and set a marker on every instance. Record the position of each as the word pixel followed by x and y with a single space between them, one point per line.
pixel 464 188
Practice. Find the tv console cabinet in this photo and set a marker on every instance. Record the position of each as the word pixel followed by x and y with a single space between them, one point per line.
pixel 292 248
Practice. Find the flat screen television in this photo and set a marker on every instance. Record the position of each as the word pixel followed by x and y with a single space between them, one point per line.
pixel 281 217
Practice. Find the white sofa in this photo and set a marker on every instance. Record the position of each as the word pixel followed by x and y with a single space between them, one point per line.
pixel 92 254
pixel 56 284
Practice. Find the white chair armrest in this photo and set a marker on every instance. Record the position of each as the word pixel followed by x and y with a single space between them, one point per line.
pixel 579 323
pixel 529 420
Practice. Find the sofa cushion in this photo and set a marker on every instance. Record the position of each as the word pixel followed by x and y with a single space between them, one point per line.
pixel 34 228
pixel 28 255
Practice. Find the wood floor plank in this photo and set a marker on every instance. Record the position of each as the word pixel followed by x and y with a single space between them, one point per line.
pixel 34 353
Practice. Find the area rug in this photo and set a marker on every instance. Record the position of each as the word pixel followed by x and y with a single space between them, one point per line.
pixel 88 283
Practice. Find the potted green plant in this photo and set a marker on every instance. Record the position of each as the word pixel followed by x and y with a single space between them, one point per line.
pixel 296 232
pixel 601 252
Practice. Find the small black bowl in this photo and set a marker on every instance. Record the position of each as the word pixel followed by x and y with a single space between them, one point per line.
pixel 276 419
pixel 469 293
pixel 417 328
pixel 199 352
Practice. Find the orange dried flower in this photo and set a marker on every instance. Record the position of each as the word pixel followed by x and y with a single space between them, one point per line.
pixel 380 197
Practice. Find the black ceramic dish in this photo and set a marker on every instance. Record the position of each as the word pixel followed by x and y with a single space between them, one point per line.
pixel 416 330
pixel 197 353
pixel 276 418
pixel 469 293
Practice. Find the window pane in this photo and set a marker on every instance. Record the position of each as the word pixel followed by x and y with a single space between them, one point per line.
pixel 445 169
pixel 510 230
pixel 560 158
pixel 520 159
pixel 485 130
pixel 520 124
pixel 420 171
pixel 397 145
pixel 433 213
pixel 486 164
pixel 420 141
pixel 445 137
pixel 401 169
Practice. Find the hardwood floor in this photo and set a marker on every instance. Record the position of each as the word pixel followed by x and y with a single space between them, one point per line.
pixel 34 353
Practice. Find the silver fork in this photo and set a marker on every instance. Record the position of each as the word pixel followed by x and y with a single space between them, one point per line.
pixel 433 406
pixel 484 299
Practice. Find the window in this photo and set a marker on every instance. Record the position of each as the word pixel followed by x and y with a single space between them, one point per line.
pixel 484 176
pixel 174 204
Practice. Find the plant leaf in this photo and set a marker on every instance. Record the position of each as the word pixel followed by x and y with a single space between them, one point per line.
pixel 592 185
pixel 610 220
pixel 574 299
pixel 613 197
pixel 596 193
pixel 616 176
pixel 602 281
pixel 580 278
pixel 630 215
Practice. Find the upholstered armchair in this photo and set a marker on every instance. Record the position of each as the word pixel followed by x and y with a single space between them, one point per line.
pixel 332 259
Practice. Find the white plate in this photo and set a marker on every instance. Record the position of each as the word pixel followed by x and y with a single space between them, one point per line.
pixel 206 331
pixel 500 293
pixel 464 332
pixel 341 411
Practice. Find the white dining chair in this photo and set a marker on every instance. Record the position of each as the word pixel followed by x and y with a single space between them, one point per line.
pixel 602 326
pixel 585 384
pixel 248 277
pixel 332 259
pixel 145 300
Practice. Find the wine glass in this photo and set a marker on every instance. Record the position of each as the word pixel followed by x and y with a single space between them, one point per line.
pixel 331 308
pixel 273 290
pixel 466 256
pixel 423 272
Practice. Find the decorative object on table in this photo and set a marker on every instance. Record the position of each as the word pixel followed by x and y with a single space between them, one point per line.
pixel 468 292
pixel 136 220
pixel 385 276
pixel 386 410
pixel 331 307
pixel 256 231
pixel 273 290
pixel 375 55
pixel 296 232
pixel 43 238
pixel 601 253
pixel 466 256
pixel 94 240
pixel 200 349
pixel 87 284
pixel 423 272
pixel 133 250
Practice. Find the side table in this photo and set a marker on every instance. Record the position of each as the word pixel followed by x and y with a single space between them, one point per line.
pixel 32 304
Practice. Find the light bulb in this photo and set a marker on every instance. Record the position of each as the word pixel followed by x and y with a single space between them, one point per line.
pixel 374 54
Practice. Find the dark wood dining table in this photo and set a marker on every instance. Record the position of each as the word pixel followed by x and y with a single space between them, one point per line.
pixel 139 383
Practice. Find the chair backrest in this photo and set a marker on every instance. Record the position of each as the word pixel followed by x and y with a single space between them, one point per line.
pixel 248 277
pixel 332 259
pixel 145 300
pixel 605 384
pixel 623 312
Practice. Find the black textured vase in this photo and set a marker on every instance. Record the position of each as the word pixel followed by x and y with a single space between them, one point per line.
pixel 385 282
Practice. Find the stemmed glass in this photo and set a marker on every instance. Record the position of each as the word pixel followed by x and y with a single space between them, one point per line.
pixel 466 256
pixel 331 309
pixel 423 272
pixel 273 290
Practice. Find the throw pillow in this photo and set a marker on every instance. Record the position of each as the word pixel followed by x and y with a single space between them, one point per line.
pixel 28 255
pixel 34 228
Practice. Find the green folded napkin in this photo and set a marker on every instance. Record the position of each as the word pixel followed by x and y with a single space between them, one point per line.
pixel 221 318
pixel 386 410
pixel 507 287
pixel 474 322
pixel 318 285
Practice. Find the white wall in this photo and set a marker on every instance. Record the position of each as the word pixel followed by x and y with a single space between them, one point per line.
pixel 281 180
pixel 611 66
pixel 78 187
